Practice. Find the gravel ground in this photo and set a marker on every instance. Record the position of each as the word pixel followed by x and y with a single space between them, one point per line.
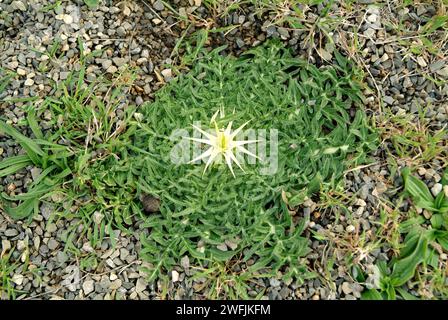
pixel 143 34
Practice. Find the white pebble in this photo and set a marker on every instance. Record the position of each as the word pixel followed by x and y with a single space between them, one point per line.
pixel 350 228
pixel 17 279
pixel 174 276
pixel 436 189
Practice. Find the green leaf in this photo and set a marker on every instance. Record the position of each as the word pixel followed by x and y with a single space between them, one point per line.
pixel 35 153
pixel 31 118
pixel 405 295
pixel 444 180
pixel 221 255
pixel 442 238
pixel 298 198
pixel 13 164
pixel 91 3
pixel 437 220
pixel 440 201
pixel 23 210
pixel 390 292
pixel 418 191
pixel 371 294
pixel 435 23
pixel 403 270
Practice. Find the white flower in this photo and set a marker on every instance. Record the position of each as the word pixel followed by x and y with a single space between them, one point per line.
pixel 222 144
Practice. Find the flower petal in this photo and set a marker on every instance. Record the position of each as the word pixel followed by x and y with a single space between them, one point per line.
pixel 244 150
pixel 203 155
pixel 209 142
pixel 243 142
pixel 232 156
pixel 211 159
pixel 229 163
pixel 208 135
pixel 233 135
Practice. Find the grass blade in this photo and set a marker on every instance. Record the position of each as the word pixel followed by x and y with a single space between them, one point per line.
pixel 33 150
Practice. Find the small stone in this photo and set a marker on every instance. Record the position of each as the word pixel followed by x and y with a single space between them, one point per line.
pixel 369 33
pixel 98 217
pixel 22 244
pixel 61 257
pixel 174 276
pixel 17 279
pixel 63 75
pixel 88 286
pixel 240 43
pixel 139 101
pixel 124 253
pixel 29 82
pixel 443 72
pixel 421 171
pixel 121 31
pixel 68 19
pixel 158 5
pixel 183 12
pixel 232 245
pixel 51 228
pixel 115 284
pixel 436 189
pixel 11 233
pixel 156 21
pixel 350 228
pixel 140 285
pixel 388 100
pixel 35 173
pixel 36 243
pixel 346 288
pixel 421 62
pixel 325 54
pixel 52 244
pixel 167 74
pixel 150 204
pixel 274 282
pixel 6 245
pixel 21 72
pixel 222 247
pixel 112 69
pixel 106 64
pixel 126 11
pixel 436 65
pixel 119 61
pixel 185 262
pixel 18 5
pixel 372 18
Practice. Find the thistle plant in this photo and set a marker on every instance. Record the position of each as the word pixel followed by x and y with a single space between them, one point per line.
pixel 220 216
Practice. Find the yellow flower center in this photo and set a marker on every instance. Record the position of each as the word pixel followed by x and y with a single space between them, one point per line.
pixel 222 141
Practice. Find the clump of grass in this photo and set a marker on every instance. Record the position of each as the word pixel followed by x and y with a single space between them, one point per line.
pixel 7 268
pixel 80 156
pixel 320 134
pixel 418 264
pixel 98 167
pixel 413 139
